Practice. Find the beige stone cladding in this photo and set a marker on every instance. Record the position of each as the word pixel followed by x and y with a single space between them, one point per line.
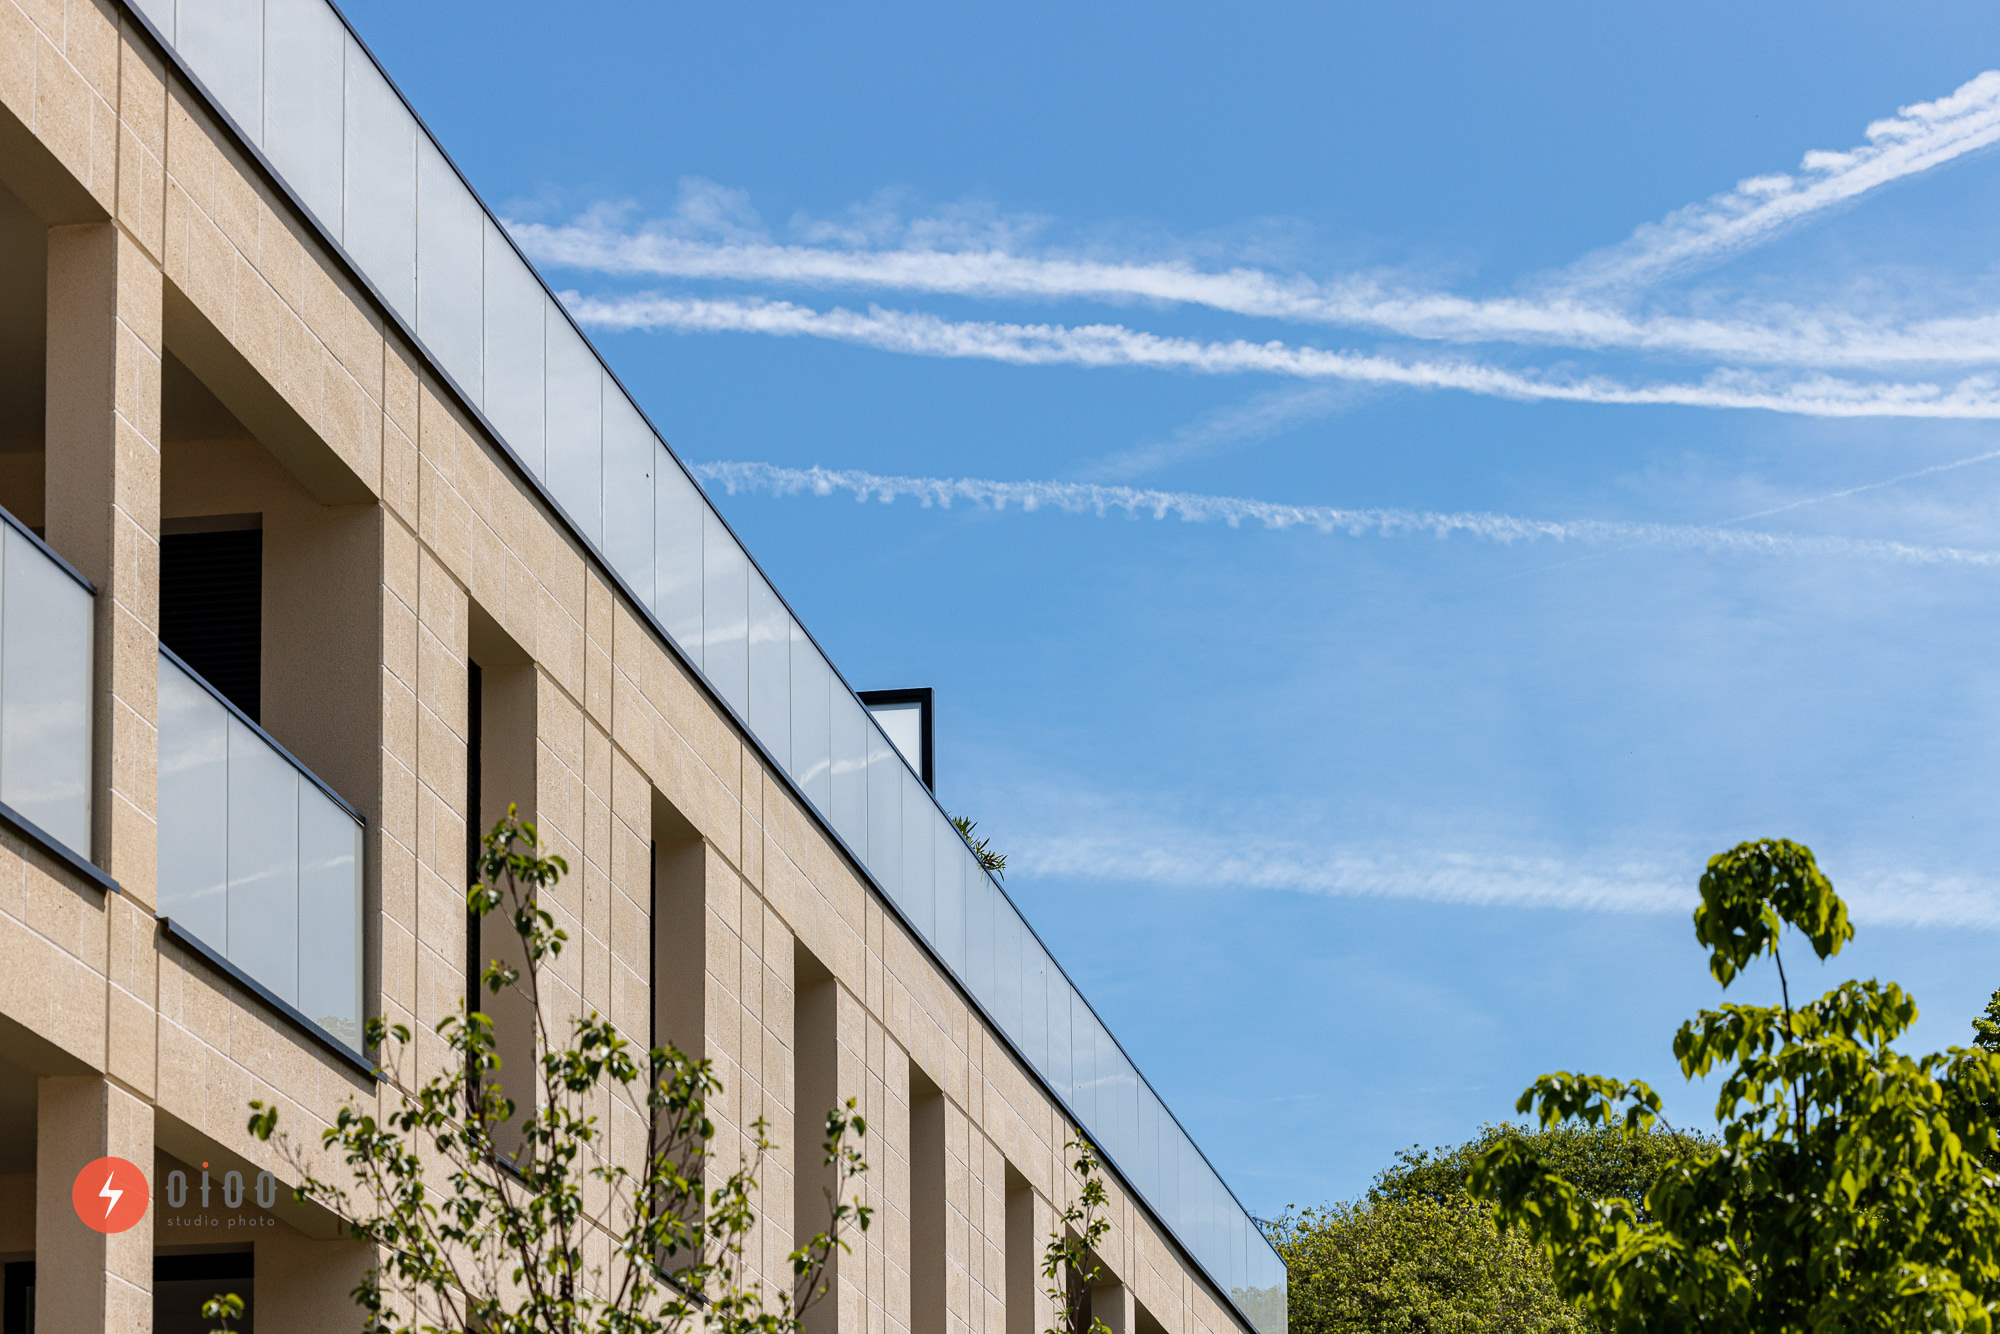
pixel 415 537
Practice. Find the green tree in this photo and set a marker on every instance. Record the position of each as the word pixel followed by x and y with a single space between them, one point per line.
pixel 492 1218
pixel 1069 1259
pixel 1986 1028
pixel 1415 1265
pixel 1849 1191
pixel 1418 1253
pixel 1601 1162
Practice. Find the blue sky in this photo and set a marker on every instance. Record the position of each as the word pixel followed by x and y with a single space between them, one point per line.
pixel 1382 493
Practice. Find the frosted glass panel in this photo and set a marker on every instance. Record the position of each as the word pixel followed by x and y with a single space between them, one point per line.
pixel 330 932
pixel 303 59
pixel 515 304
pixel 885 813
pixel 256 861
pixel 380 218
pixel 1146 1158
pixel 725 613
pixel 1168 1200
pixel 948 891
pixel 1103 1081
pixel 980 896
pixel 1083 1065
pixel 45 632
pixel 678 512
pixel 812 723
pixel 919 901
pixel 1060 1070
pixel 450 282
pixel 575 427
pixel 1124 1128
pixel 630 455
pixel 849 777
pixel 161 12
pixel 223 43
pixel 1196 1202
pixel 1007 967
pixel 770 670
pixel 263 863
pixel 1034 1039
pixel 194 808
pixel 955 871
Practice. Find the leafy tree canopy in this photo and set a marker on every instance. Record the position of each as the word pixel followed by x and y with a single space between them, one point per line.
pixel 1416 1265
pixel 1850 1191
pixel 1602 1163
pixel 1418 1253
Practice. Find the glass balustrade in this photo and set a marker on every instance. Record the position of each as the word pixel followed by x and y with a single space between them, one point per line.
pixel 301 88
pixel 259 861
pixel 45 660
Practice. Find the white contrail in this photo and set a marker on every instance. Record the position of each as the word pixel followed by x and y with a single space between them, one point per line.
pixel 1782 336
pixel 1935 468
pixel 1915 140
pixel 1134 502
pixel 1271 860
pixel 1102 345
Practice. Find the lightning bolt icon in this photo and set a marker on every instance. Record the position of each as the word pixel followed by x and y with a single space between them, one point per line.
pixel 110 1193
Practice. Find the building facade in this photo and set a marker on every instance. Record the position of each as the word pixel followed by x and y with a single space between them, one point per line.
pixel 327 535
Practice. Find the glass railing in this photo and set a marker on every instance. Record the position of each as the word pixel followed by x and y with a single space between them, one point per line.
pixel 45 682
pixel 259 861
pixel 304 93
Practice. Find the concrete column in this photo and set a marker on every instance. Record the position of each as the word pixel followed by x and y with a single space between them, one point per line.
pixel 103 515
pixel 1113 1303
pixel 86 1280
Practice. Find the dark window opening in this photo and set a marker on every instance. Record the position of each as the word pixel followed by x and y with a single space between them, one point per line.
pixel 474 760
pixel 212 609
pixel 181 1283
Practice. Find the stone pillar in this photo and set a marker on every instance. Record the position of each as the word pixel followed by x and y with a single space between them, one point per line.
pixel 103 515
pixel 87 1281
pixel 1113 1303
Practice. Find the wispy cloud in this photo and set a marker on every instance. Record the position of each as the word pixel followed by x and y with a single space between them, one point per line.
pixel 1264 415
pixel 1101 345
pixel 714 235
pixel 1845 492
pixel 1916 139
pixel 1183 859
pixel 1133 502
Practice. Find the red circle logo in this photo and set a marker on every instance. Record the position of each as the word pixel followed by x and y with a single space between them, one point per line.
pixel 110 1195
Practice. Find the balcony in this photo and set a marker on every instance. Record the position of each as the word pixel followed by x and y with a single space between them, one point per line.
pixel 45 666
pixel 260 862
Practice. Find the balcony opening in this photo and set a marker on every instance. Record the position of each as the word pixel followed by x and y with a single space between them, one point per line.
pixel 212 602
pixel 24 318
pixel 271 613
